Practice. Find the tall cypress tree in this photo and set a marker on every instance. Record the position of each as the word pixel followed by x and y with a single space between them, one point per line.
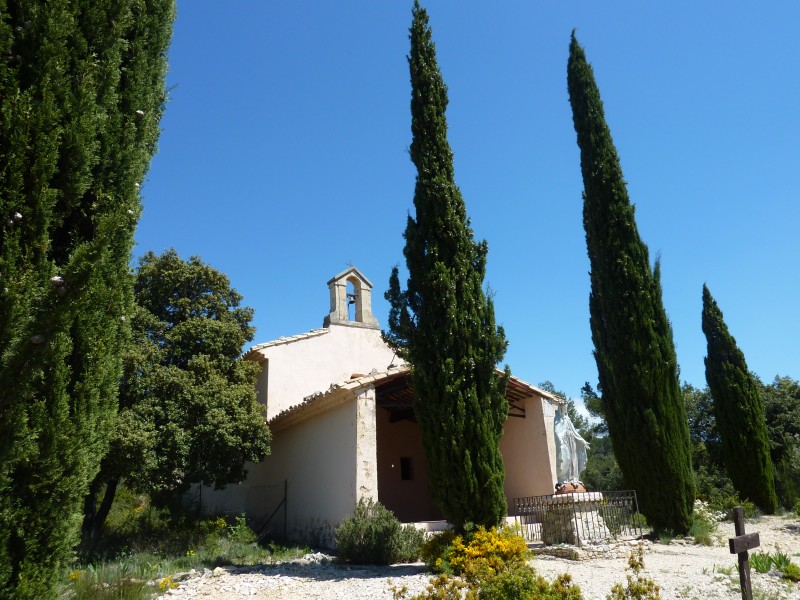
pixel 635 355
pixel 443 323
pixel 739 412
pixel 81 95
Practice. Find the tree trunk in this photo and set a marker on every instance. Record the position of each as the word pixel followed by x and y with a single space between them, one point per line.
pixel 93 516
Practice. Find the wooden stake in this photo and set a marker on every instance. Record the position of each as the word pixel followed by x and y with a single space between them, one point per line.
pixel 739 545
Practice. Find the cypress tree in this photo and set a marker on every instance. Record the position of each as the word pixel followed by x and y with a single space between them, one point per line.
pixel 635 355
pixel 81 95
pixel 443 323
pixel 739 412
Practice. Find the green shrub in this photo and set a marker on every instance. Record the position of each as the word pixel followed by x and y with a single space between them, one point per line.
pixel 436 551
pixel 119 581
pixel 703 525
pixel 726 498
pixel 516 581
pixel 492 565
pixel 792 572
pixel 497 547
pixel 797 509
pixel 665 536
pixel 409 544
pixel 521 582
pixel 761 562
pixel 450 553
pixel 374 536
pixel 639 587
pixel 240 532
pixel 780 560
pixel 639 520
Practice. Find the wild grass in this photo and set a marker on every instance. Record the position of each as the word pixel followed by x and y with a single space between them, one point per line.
pixel 142 549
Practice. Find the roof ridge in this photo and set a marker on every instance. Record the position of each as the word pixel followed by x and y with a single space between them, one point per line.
pixel 288 340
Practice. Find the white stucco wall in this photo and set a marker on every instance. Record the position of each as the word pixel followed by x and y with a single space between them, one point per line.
pixel 328 462
pixel 528 448
pixel 303 367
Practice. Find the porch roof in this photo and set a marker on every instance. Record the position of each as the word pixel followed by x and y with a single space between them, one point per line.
pixel 393 391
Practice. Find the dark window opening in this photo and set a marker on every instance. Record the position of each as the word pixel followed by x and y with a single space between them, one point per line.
pixel 406 468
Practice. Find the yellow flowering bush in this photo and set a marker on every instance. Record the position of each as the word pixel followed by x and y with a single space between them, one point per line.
pixel 167 584
pixel 484 549
pixel 486 564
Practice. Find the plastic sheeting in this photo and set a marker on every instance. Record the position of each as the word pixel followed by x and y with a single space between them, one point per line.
pixel 571 448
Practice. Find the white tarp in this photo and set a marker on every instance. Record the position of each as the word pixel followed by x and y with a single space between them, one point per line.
pixel 570 448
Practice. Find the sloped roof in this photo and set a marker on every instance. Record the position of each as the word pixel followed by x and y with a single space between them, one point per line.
pixel 393 396
pixel 253 352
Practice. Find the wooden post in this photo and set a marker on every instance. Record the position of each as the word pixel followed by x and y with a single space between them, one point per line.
pixel 739 545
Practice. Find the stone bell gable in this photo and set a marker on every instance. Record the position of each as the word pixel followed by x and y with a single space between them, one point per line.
pixel 358 294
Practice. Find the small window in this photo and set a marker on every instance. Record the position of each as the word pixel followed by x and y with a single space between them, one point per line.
pixel 406 468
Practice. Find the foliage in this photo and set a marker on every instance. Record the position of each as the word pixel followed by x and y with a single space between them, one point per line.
pixel 781 401
pixel 493 548
pixel 436 549
pixel 724 500
pixel 761 561
pixel 448 552
pixel 409 544
pixel 521 582
pixel 443 323
pixel 118 581
pixel 602 470
pixel 739 412
pixel 81 96
pixel 780 560
pixel 704 511
pixel 240 532
pixel 638 586
pixel 142 543
pixel 515 581
pixel 701 531
pixel 188 411
pixel 634 351
pixel 782 408
pixel 487 565
pixel 374 536
pixel 709 469
pixel 764 561
pixel 441 587
pixel 791 572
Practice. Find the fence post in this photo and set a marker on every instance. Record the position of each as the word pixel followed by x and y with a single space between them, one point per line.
pixel 285 489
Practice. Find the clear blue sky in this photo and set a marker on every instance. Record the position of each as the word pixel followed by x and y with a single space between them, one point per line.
pixel 284 157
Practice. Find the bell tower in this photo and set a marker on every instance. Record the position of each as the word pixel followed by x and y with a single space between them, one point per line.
pixel 359 296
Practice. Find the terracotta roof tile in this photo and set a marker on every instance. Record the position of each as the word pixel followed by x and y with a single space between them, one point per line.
pixel 288 340
pixel 383 376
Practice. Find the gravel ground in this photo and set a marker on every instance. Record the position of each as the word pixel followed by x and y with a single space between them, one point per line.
pixel 682 570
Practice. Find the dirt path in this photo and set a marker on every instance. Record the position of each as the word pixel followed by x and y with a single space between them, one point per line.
pixel 683 571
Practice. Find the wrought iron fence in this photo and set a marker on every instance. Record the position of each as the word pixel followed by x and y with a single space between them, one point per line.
pixel 588 517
